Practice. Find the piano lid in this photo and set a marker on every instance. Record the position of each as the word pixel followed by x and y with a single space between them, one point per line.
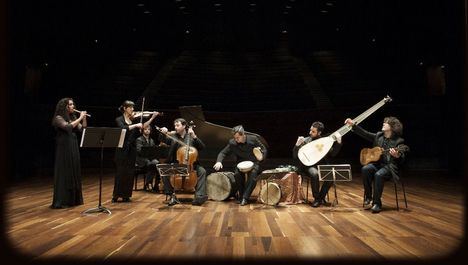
pixel 213 135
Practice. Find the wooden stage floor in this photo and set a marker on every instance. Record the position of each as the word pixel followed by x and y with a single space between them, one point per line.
pixel 431 227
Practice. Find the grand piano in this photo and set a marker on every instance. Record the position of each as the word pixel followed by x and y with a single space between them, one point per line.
pixel 213 135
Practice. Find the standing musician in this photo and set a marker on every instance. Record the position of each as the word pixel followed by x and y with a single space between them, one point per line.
pixel 67 168
pixel 387 166
pixel 315 132
pixel 148 163
pixel 241 146
pixel 182 133
pixel 125 157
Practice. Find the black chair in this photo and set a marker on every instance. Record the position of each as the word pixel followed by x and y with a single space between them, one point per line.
pixel 309 183
pixel 138 172
pixel 395 184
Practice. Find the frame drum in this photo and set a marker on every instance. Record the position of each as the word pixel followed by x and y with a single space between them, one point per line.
pixel 257 153
pixel 245 166
pixel 220 186
pixel 274 193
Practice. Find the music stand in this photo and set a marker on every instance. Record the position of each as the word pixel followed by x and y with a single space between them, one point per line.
pixel 100 137
pixel 335 173
pixel 171 170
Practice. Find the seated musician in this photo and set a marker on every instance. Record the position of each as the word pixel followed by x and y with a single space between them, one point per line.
pixel 181 133
pixel 387 166
pixel 149 163
pixel 241 146
pixel 315 132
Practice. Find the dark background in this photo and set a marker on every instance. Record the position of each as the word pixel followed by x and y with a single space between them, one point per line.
pixel 274 66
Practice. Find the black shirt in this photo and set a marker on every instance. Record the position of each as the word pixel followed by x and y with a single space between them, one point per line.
pixel 243 151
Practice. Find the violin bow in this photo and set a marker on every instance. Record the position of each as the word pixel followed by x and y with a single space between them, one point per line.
pixel 142 109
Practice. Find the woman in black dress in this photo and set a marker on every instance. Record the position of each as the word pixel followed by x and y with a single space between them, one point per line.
pixel 125 157
pixel 67 171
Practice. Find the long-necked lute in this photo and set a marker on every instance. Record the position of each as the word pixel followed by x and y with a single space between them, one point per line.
pixel 313 152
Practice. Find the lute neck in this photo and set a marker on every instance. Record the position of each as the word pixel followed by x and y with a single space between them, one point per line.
pixel 346 128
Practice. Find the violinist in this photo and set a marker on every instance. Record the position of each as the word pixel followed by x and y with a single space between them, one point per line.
pixel 125 157
pixel 184 134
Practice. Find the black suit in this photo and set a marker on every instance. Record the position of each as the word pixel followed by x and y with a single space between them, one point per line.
pixel 147 162
pixel 200 189
pixel 244 152
pixel 384 169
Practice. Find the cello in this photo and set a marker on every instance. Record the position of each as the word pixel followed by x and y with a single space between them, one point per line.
pixel 186 155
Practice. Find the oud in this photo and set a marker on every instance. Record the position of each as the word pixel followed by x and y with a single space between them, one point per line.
pixel 369 155
pixel 311 153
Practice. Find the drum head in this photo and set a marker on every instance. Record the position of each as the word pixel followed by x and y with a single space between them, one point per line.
pixel 270 194
pixel 258 154
pixel 245 166
pixel 218 185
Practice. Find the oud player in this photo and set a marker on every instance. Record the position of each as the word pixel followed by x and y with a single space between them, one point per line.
pixel 388 165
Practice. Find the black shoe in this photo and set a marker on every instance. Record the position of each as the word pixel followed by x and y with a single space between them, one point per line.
pixel 126 200
pixel 316 203
pixel 244 202
pixel 173 200
pixel 199 200
pixel 376 208
pixel 114 199
pixel 156 188
pixel 238 201
pixel 367 201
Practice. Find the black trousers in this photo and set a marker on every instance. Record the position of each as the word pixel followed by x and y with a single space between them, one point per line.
pixel 246 186
pixel 200 188
pixel 152 171
pixel 312 173
pixel 378 175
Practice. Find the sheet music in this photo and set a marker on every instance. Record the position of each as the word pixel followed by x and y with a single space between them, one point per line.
pixel 82 137
pixel 122 137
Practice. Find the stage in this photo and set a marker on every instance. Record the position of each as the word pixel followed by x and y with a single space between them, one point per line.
pixel 431 227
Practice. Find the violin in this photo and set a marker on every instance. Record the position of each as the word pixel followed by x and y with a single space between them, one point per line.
pixel 145 114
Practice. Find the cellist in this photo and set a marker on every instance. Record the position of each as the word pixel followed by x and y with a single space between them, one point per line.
pixel 184 134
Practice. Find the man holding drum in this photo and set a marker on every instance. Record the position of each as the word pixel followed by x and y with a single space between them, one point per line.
pixel 316 132
pixel 245 148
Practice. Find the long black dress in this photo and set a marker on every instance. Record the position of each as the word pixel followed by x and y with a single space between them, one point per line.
pixel 125 161
pixel 67 172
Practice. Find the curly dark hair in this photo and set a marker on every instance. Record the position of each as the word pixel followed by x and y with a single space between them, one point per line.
pixel 395 125
pixel 61 109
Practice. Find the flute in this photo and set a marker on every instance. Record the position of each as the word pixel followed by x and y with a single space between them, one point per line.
pixel 87 115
